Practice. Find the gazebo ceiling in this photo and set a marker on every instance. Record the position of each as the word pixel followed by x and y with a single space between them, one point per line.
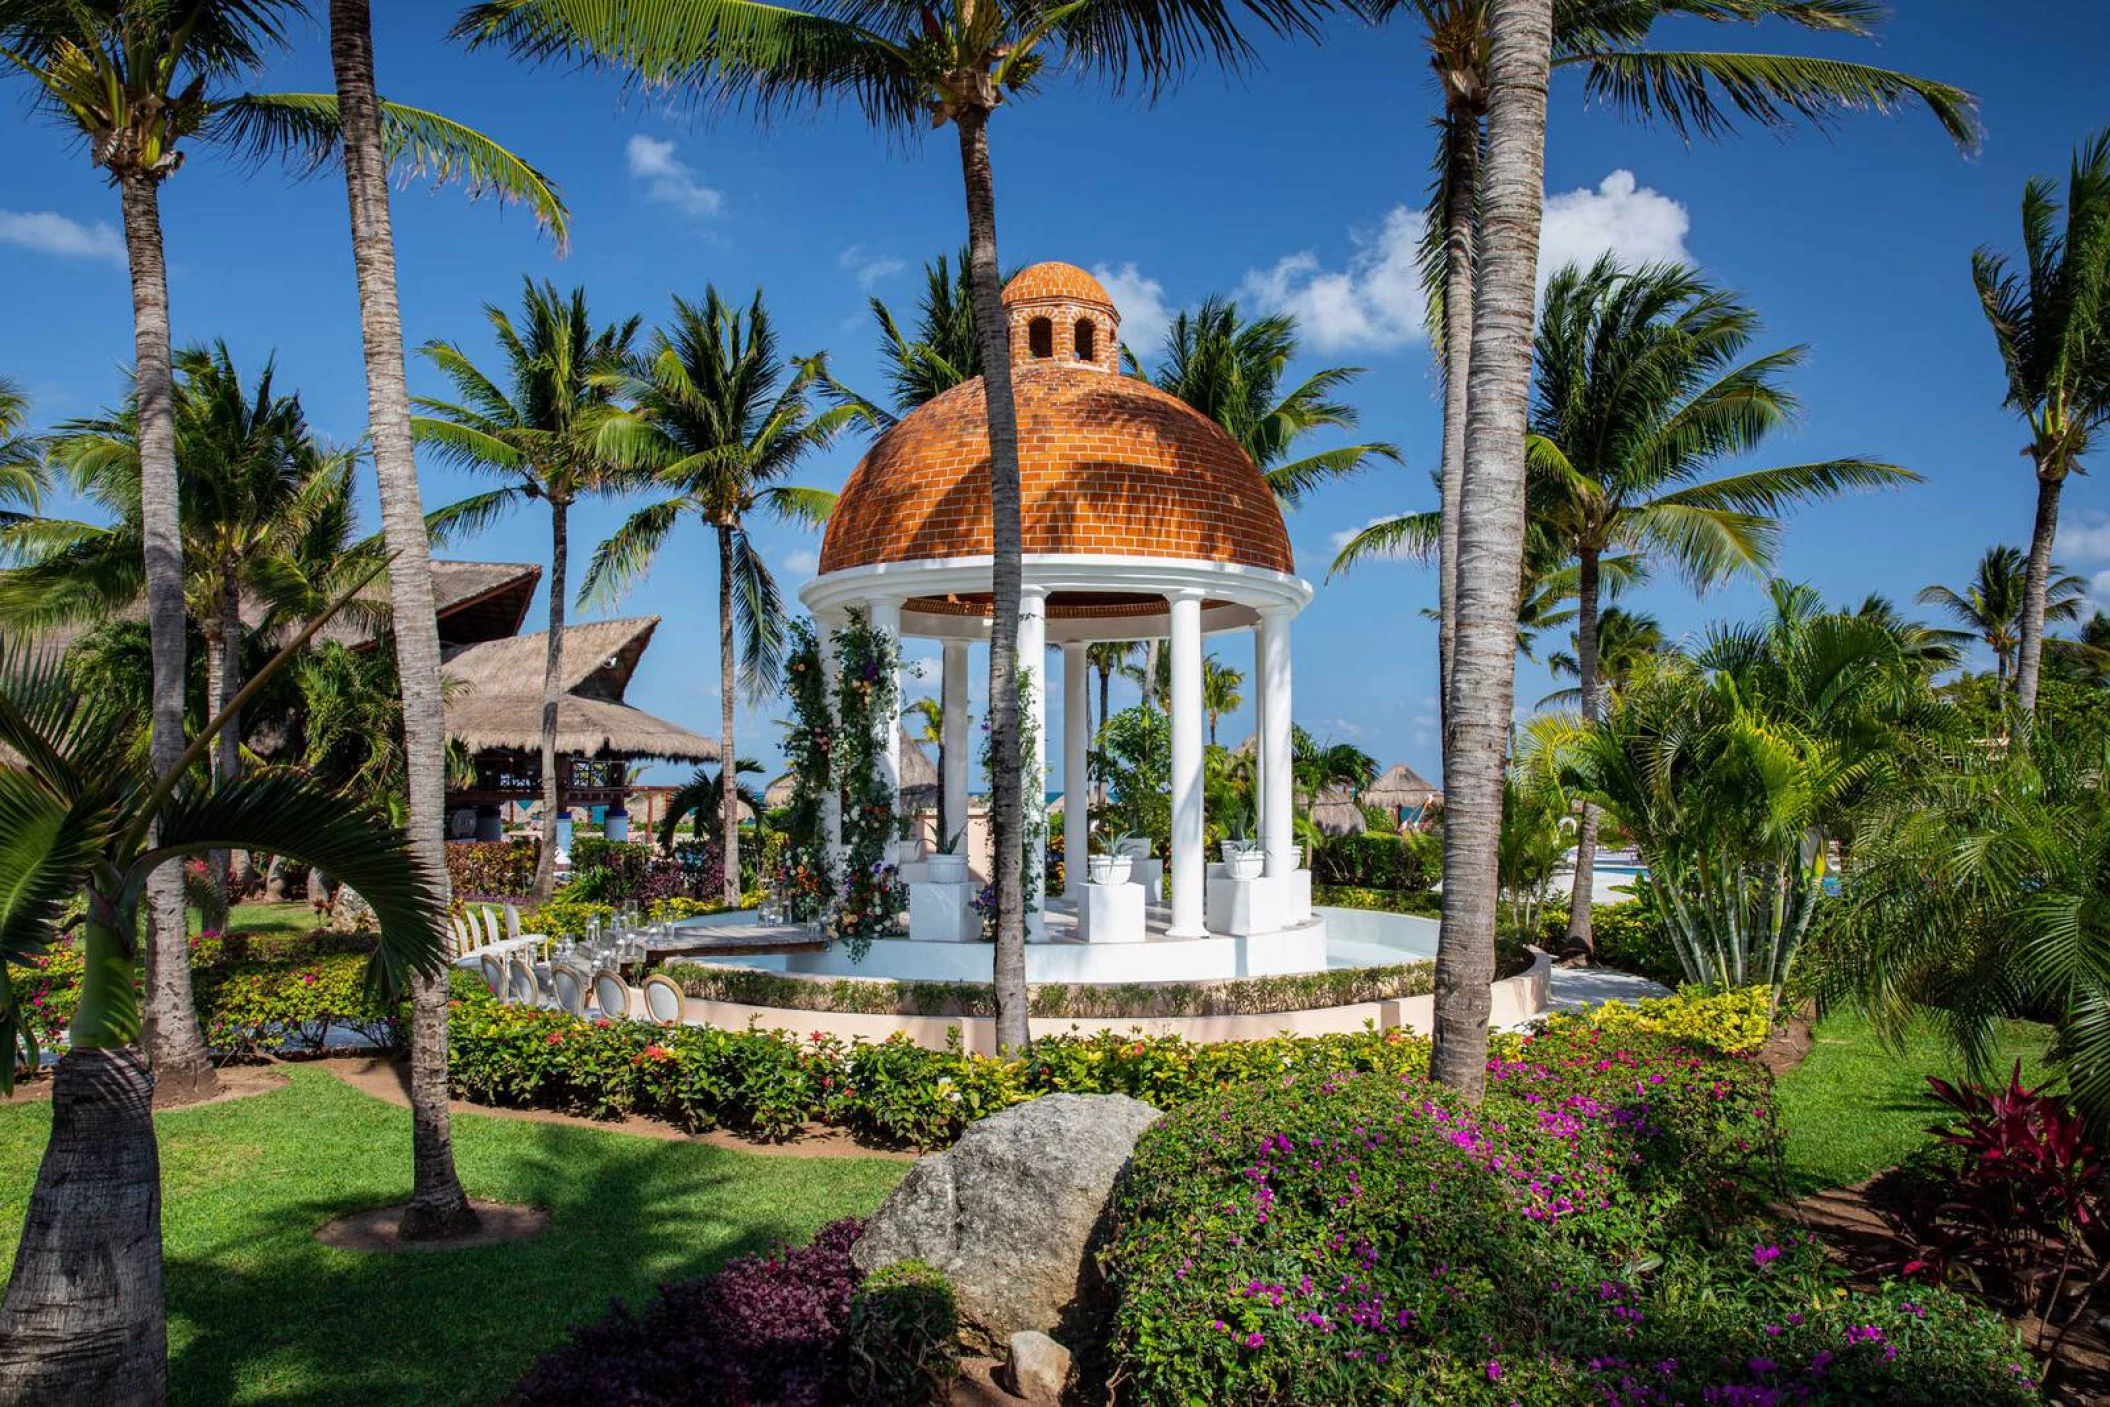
pixel 1062 605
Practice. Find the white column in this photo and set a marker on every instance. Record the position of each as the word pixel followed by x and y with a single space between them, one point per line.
pixel 1033 761
pixel 1260 748
pixel 1189 859
pixel 1076 781
pixel 1276 830
pixel 953 729
pixel 827 624
pixel 885 619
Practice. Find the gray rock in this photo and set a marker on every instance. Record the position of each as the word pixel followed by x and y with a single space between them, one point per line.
pixel 1039 1367
pixel 1014 1211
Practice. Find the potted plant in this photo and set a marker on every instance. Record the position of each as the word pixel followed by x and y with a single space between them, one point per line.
pixel 1113 864
pixel 948 863
pixel 1237 837
pixel 908 846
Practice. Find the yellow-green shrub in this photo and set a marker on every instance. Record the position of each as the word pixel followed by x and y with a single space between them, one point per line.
pixel 1735 1022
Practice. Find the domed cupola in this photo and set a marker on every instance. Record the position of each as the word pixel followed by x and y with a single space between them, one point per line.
pixel 1061 315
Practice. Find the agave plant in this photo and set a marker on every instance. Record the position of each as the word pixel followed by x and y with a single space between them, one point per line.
pixel 83 1318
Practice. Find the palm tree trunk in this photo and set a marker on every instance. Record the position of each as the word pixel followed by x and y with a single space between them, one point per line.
pixel 1106 683
pixel 2035 589
pixel 1461 177
pixel 1579 935
pixel 1006 582
pixel 1490 537
pixel 438 1206
pixel 175 1046
pixel 552 691
pixel 83 1322
pixel 225 668
pixel 728 777
pixel 1150 671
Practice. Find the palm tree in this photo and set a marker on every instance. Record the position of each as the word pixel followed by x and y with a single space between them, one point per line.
pixel 1932 647
pixel 137 80
pixel 1220 685
pixel 1642 392
pixel 1992 605
pixel 1701 93
pixel 1107 658
pixel 539 430
pixel 945 351
pixel 906 69
pixel 2048 321
pixel 1624 640
pixel 1231 370
pixel 252 481
pixel 83 1319
pixel 701 796
pixel 1482 678
pixel 716 424
pixel 373 140
pixel 21 456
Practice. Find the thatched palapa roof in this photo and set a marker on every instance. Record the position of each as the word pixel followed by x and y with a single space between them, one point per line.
pixel 496 698
pixel 1400 789
pixel 1336 812
pixel 779 792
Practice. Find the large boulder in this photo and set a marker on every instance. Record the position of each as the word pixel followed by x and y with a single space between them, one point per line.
pixel 1013 1213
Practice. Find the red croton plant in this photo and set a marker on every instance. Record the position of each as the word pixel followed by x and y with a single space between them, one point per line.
pixel 2023 1217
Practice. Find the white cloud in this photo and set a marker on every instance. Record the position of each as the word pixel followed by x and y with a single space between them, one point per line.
pixel 1375 301
pixel 2084 537
pixel 2099 591
pixel 868 268
pixel 1621 216
pixel 1141 303
pixel 48 232
pixel 1347 535
pixel 802 562
pixel 668 179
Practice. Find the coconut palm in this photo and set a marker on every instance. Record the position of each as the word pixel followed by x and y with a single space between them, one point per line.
pixel 1231 369
pixel 537 428
pixel 2049 321
pixel 1624 639
pixel 139 81
pixel 1108 658
pixel 1220 686
pixel 1934 648
pixel 716 425
pixel 373 143
pixel 701 797
pixel 944 352
pixel 83 1319
pixel 1695 93
pixel 21 456
pixel 1992 605
pixel 1643 391
pixel 908 68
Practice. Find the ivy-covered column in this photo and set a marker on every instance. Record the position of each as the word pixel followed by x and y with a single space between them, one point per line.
pixel 832 799
pixel 885 615
pixel 1033 750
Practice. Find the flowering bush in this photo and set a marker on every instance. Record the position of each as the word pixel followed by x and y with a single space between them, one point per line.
pixel 1365 1238
pixel 765 1331
pixel 491 869
pixel 47 988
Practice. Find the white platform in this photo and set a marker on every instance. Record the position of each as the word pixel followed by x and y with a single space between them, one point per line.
pixel 943 913
pixel 1150 875
pixel 1265 905
pixel 1112 913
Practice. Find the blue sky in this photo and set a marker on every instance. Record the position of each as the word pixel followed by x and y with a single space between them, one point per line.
pixel 1291 187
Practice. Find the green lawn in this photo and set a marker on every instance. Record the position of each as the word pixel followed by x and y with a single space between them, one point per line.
pixel 290 917
pixel 1856 1107
pixel 260 1312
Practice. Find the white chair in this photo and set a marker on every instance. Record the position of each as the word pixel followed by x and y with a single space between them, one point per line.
pixel 664 1002
pixel 521 986
pixel 494 974
pixel 461 939
pixel 570 983
pixel 512 921
pixel 611 994
pixel 491 931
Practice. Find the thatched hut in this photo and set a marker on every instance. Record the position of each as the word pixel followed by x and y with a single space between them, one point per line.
pixel 1403 792
pixel 494 710
pixel 779 792
pixel 1335 812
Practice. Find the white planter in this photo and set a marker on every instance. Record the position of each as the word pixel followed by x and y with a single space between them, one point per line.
pixel 1244 864
pixel 1229 848
pixel 1108 869
pixel 907 852
pixel 946 869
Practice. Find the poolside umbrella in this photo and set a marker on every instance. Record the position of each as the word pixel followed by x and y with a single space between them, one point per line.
pixel 1402 791
pixel 1336 812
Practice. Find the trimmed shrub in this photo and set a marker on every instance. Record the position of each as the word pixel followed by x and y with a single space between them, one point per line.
pixel 765 1331
pixel 491 869
pixel 1425 903
pixel 1735 1022
pixel 567 915
pixel 1378 860
pixel 903 1341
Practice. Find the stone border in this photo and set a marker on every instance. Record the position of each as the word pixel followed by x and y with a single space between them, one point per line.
pixel 1514 1001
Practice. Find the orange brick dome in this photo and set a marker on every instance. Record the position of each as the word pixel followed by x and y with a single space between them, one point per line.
pixel 1055 282
pixel 1108 465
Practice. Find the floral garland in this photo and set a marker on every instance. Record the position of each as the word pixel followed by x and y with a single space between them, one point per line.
pixel 871 895
pixel 799 870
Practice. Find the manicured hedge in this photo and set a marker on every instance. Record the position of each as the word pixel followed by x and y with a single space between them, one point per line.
pixel 1373 860
pixel 1425 903
pixel 1593 1232
pixel 1084 1000
pixel 491 869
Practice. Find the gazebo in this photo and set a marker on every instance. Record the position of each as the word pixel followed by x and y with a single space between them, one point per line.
pixel 1142 520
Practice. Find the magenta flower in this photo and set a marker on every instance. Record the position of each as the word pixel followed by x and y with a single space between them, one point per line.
pixel 1763 1256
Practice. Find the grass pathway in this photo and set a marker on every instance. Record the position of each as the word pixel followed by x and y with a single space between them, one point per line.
pixel 260 1312
pixel 1856 1106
